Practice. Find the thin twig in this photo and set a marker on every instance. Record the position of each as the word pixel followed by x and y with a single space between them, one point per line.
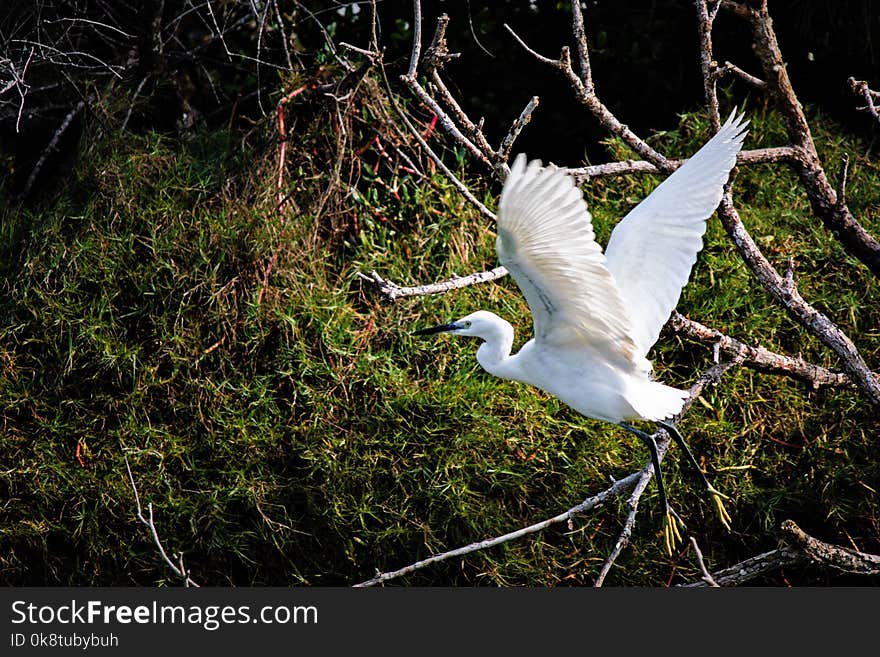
pixel 625 167
pixel 618 488
pixel 841 182
pixel 417 39
pixel 393 291
pixel 179 569
pixel 515 129
pixel 870 97
pixel 52 145
pixel 430 152
pixel 707 577
pixel 728 67
pixel 580 38
pixel 704 31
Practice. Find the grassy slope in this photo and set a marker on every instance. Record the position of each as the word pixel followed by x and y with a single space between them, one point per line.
pixel 310 439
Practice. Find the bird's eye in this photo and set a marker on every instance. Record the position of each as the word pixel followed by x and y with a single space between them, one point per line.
pixel 466 323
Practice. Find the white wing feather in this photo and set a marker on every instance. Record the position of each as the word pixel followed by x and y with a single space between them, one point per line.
pixel 546 241
pixel 653 249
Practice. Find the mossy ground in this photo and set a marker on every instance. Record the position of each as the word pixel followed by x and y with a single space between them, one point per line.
pixel 306 438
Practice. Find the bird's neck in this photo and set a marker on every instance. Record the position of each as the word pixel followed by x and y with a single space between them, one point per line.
pixel 495 350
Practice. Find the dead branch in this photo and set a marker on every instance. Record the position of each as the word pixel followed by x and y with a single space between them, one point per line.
pixel 754 567
pixel 51 146
pixel 835 216
pixel 619 487
pixel 721 71
pixel 757 357
pixel 799 549
pixel 785 292
pixel 870 96
pixel 516 128
pixel 707 577
pixel 587 97
pixel 840 558
pixel 392 291
pixel 626 167
pixel 783 289
pixel 460 186
pixel 178 568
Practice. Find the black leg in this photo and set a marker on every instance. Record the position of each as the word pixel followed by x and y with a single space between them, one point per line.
pixel 651 444
pixel 677 437
pixel 671 521
pixel 717 496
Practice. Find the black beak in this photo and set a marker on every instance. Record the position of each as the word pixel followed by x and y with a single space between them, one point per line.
pixel 442 328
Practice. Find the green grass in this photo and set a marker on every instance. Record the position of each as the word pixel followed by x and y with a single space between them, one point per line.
pixel 308 439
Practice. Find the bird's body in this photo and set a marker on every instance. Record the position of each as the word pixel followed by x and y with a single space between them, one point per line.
pixel 604 391
pixel 597 314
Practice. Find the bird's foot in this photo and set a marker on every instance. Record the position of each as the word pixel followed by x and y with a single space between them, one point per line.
pixel 718 498
pixel 671 533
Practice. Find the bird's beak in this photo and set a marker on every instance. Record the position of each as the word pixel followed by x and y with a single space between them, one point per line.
pixel 441 328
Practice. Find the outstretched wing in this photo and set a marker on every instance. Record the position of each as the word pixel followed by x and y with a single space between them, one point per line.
pixel 546 241
pixel 653 248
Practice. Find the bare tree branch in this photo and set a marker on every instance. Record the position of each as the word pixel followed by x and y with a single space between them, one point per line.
pixel 619 487
pixel 757 357
pixel 178 568
pixel 516 128
pixel 580 37
pixel 823 199
pixel 707 577
pixel 588 98
pixel 812 176
pixel 785 292
pixel 798 549
pixel 625 167
pixel 52 145
pixel 870 96
pixel 839 558
pixel 720 72
pixel 393 291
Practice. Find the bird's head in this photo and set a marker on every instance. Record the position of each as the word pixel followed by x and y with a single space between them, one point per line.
pixel 482 324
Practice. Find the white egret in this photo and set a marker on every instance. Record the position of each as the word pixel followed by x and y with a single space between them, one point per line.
pixel 596 315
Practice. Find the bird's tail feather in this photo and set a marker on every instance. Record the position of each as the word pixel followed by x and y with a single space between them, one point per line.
pixel 658 402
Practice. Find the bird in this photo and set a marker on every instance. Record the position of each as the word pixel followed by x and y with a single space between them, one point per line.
pixel 596 315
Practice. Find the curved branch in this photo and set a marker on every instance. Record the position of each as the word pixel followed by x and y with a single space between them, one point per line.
pixel 870 96
pixel 587 97
pixel 836 217
pixel 784 290
pixel 757 357
pixel 617 488
pixel 798 549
